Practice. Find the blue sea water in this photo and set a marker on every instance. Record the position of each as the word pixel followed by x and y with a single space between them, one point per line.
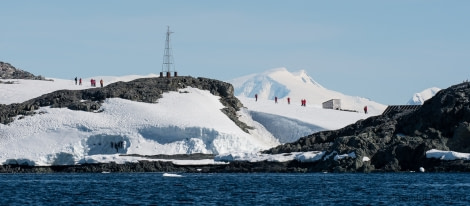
pixel 236 189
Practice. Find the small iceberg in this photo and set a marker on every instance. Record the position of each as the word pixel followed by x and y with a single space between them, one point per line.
pixel 171 175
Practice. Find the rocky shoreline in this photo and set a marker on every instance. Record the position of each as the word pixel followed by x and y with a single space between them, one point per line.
pixel 431 165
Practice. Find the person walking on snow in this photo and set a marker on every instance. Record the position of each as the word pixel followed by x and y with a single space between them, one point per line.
pixel 101 82
pixel 288 100
pixel 80 81
pixel 365 109
pixel 76 80
pixel 275 100
pixel 256 97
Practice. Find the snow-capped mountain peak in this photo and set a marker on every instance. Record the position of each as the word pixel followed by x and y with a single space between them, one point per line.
pixel 281 83
pixel 283 76
pixel 421 97
pixel 302 74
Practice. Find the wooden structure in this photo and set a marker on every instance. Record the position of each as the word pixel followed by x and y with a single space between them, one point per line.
pixel 400 108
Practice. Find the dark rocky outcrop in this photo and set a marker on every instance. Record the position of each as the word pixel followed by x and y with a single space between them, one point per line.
pixel 7 71
pixel 159 166
pixel 143 90
pixel 397 141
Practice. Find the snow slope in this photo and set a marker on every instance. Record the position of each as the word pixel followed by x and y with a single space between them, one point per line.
pixel 189 122
pixel 180 123
pixel 141 128
pixel 288 122
pixel 420 97
pixel 297 85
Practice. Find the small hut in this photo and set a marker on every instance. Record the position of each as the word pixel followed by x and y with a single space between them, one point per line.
pixel 332 104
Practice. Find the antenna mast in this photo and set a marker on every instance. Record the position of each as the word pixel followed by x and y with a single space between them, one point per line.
pixel 168 64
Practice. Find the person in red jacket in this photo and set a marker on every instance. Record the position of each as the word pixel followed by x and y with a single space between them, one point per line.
pixel 365 109
pixel 101 82
pixel 288 100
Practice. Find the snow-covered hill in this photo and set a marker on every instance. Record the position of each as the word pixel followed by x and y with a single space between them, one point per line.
pixel 188 121
pixel 287 122
pixel 183 122
pixel 297 86
pixel 420 97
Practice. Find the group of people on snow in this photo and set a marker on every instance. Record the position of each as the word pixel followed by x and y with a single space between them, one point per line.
pixel 303 102
pixel 275 99
pixel 92 82
pixel 78 81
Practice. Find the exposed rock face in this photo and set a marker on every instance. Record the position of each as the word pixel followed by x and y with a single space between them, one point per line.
pixel 156 166
pixel 143 90
pixel 7 71
pixel 397 142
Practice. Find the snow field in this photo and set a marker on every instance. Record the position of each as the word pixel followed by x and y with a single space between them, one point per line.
pixel 185 122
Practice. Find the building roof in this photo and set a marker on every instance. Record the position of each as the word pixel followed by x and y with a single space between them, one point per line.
pixel 400 108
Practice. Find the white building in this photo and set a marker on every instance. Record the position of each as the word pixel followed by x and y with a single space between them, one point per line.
pixel 332 104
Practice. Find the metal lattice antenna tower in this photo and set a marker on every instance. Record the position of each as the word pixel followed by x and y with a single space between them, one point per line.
pixel 168 64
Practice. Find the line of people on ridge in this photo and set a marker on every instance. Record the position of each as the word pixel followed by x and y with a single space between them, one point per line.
pixel 303 102
pixel 92 82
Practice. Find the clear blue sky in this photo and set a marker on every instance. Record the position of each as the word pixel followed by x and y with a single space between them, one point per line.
pixel 382 50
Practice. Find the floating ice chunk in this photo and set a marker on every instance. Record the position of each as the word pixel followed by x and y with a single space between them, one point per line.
pixel 171 175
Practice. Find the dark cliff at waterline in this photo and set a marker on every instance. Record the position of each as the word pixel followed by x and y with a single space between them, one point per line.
pixel 143 90
pixel 397 142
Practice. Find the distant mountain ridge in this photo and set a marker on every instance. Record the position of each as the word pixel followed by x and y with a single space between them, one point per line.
pixel 7 71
